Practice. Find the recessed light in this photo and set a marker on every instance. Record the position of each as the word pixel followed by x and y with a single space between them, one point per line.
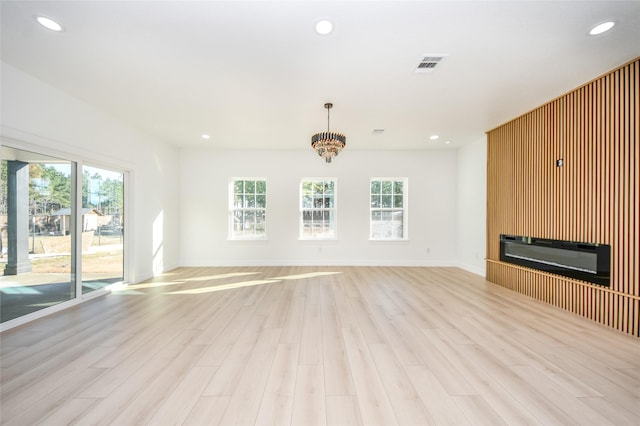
pixel 447 142
pixel 48 23
pixel 205 136
pixel 601 28
pixel 324 27
pixel 434 137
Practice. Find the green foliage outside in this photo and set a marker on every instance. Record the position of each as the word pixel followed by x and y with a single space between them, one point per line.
pixel 50 190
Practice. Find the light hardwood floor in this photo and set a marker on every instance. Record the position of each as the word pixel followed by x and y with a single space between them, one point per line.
pixel 318 345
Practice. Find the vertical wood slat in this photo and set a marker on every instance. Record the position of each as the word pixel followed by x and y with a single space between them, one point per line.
pixel 634 126
pixel 595 197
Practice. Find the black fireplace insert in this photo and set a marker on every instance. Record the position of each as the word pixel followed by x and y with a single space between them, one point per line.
pixel 583 261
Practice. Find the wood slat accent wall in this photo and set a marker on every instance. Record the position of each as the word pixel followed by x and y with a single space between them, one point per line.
pixel 594 198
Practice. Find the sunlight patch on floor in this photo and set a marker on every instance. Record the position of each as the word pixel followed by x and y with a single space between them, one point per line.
pixel 224 287
pixel 150 285
pixel 167 274
pixel 221 276
pixel 130 289
pixel 307 275
pixel 126 292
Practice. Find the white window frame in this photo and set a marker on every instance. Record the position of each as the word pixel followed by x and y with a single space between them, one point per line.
pixel 233 209
pixel 333 209
pixel 404 209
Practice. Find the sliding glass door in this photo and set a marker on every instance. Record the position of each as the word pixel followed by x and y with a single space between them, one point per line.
pixel 37 225
pixel 61 228
pixel 102 228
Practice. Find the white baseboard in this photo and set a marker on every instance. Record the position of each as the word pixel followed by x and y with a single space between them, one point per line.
pixel 473 269
pixel 316 262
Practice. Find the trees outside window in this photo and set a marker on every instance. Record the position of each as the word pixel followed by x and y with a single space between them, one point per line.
pixel 102 228
pixel 248 209
pixel 388 218
pixel 317 209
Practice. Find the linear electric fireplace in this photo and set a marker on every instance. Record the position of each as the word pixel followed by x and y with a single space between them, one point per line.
pixel 584 261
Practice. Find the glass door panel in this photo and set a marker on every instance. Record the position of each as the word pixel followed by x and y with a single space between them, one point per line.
pixel 102 228
pixel 37 232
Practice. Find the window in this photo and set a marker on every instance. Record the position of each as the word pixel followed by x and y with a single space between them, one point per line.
pixel 317 209
pixel 388 209
pixel 248 209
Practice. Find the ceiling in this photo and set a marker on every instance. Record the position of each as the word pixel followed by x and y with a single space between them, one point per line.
pixel 255 75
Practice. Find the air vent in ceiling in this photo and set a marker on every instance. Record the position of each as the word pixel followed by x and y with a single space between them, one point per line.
pixel 429 62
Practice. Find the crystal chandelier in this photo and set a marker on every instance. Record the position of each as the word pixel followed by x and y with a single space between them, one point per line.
pixel 328 144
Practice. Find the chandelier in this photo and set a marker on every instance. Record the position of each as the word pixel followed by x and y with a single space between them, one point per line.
pixel 328 144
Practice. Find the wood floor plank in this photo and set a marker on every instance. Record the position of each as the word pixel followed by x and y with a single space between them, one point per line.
pixel 478 410
pixel 292 327
pixel 612 411
pixel 404 399
pixel 504 376
pixel 68 412
pixel 598 377
pixel 48 349
pixel 277 401
pixel 33 411
pixel 462 356
pixel 373 400
pixel 49 380
pixel 119 373
pixel 337 373
pixel 311 338
pixel 317 345
pixel 344 311
pixel 441 366
pixel 499 340
pixel 440 405
pixel 207 411
pixel 228 336
pixel 218 319
pixel 39 360
pixel 309 403
pixel 279 308
pixel 178 405
pixel 573 407
pixel 136 403
pixel 343 410
pixel 247 396
pixel 399 336
pixel 153 399
pixel 230 370
pixel 366 320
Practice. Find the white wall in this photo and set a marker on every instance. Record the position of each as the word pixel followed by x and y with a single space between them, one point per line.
pixel 204 180
pixel 38 116
pixel 179 209
pixel 472 207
